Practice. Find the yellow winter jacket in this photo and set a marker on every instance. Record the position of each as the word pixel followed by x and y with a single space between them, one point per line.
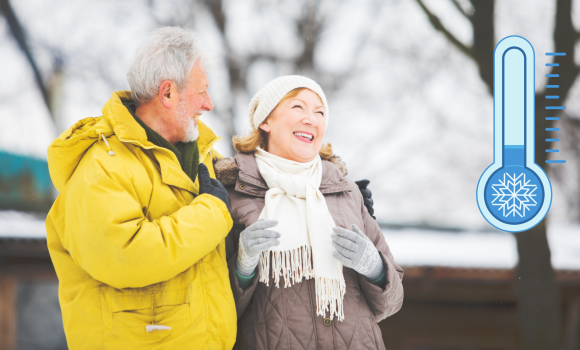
pixel 132 242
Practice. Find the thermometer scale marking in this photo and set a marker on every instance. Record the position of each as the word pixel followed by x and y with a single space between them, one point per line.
pixel 553 97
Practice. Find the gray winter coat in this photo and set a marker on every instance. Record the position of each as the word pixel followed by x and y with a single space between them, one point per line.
pixel 285 318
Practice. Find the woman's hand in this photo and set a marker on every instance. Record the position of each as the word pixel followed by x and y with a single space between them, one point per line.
pixel 355 250
pixel 254 240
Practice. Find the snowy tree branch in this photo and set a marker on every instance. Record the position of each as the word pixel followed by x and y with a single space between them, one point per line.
pixel 460 9
pixel 441 28
pixel 19 36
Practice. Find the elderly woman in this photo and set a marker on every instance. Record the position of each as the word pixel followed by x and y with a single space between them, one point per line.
pixel 309 267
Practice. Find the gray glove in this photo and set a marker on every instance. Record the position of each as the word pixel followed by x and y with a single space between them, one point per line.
pixel 355 250
pixel 254 240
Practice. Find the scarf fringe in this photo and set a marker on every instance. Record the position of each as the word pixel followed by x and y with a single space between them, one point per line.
pixel 329 297
pixel 293 264
pixel 296 264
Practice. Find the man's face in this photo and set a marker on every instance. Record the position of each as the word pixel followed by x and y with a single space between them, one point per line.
pixel 193 101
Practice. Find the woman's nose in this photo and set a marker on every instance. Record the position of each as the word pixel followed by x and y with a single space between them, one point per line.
pixel 310 120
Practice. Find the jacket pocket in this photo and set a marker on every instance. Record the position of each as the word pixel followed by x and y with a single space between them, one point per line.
pixel 151 307
pixel 128 312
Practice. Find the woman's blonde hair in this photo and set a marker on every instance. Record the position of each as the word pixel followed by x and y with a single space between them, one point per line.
pixel 259 138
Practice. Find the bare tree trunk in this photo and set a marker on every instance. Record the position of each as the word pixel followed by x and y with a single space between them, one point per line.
pixel 309 30
pixel 538 294
pixel 484 39
pixel 56 97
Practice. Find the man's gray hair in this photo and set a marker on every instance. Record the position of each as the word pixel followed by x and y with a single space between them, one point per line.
pixel 168 53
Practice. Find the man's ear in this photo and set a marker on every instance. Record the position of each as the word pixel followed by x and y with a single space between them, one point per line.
pixel 165 93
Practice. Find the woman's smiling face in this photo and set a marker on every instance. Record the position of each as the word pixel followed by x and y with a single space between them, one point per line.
pixel 296 127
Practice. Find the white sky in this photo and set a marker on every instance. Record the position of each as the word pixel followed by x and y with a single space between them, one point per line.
pixel 414 117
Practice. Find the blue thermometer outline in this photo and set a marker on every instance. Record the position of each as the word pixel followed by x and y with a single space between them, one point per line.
pixel 520 44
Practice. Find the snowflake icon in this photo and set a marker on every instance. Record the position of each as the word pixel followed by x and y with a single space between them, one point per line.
pixel 514 195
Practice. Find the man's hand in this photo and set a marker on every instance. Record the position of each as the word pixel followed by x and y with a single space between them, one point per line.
pixel 253 241
pixel 211 186
pixel 367 195
pixel 355 250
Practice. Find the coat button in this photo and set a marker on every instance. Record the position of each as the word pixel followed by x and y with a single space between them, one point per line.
pixel 340 180
pixel 242 187
pixel 327 322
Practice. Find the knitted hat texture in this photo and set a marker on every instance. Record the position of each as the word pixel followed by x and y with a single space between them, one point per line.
pixel 272 93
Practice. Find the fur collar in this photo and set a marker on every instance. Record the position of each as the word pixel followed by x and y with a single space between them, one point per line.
pixel 226 169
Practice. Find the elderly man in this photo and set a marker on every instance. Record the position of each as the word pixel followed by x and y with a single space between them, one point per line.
pixel 136 236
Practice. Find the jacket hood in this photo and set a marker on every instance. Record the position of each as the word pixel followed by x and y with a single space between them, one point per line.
pixel 65 152
pixel 227 169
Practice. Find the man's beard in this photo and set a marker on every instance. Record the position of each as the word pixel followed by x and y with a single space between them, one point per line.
pixel 188 125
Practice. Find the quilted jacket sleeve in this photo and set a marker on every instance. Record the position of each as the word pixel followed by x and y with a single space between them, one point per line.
pixel 242 297
pixel 385 301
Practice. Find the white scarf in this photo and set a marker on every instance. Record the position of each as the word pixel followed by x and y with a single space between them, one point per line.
pixel 305 226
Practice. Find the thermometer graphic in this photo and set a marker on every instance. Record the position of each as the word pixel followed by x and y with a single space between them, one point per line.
pixel 514 194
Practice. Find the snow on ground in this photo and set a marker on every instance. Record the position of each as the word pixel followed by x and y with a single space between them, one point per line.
pixel 465 249
pixel 564 243
pixel 17 224
pixel 414 247
pixel 410 247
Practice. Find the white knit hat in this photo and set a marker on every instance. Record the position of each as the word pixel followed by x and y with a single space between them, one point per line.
pixel 270 95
